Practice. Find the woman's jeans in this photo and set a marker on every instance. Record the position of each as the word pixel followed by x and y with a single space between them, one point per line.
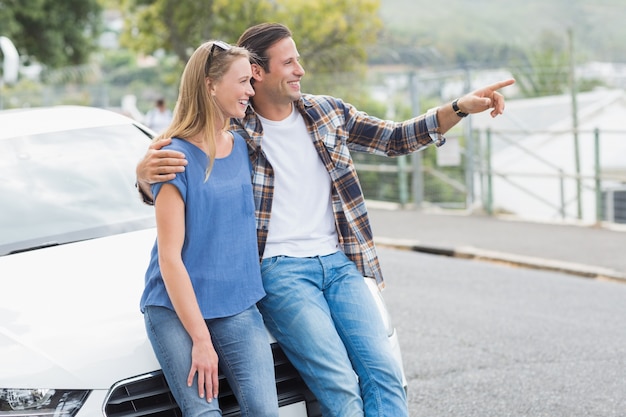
pixel 245 358
pixel 326 320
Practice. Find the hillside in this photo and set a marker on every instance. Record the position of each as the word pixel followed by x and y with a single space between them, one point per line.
pixel 597 26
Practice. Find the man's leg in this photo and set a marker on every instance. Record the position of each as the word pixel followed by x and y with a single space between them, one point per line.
pixel 362 330
pixel 297 315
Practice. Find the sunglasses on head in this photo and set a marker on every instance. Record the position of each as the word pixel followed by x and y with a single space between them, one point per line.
pixel 216 44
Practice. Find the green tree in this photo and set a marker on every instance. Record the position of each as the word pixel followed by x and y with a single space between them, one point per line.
pixel 51 32
pixel 331 34
pixel 544 70
pixel 179 27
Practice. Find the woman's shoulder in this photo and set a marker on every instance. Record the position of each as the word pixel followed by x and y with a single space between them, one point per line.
pixel 238 139
pixel 177 144
pixel 236 135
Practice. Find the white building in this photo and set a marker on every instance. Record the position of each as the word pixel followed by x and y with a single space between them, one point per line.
pixel 533 155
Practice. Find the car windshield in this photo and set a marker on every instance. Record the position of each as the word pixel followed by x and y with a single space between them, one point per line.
pixel 67 186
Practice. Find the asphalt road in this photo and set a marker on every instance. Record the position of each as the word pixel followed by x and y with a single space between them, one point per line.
pixel 481 339
pixel 575 249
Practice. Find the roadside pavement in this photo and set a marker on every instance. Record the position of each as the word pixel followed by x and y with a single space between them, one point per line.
pixel 590 251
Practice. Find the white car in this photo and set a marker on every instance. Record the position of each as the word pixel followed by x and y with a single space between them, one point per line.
pixel 75 240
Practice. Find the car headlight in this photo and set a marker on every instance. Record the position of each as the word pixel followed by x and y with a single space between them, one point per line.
pixel 41 402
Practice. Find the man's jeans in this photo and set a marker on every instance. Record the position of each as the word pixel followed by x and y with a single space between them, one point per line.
pixel 245 357
pixel 326 320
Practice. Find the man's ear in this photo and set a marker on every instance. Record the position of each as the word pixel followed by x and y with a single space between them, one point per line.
pixel 257 72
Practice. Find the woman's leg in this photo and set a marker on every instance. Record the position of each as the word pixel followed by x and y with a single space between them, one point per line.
pixel 172 347
pixel 243 346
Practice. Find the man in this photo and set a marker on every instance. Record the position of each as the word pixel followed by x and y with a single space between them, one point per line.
pixel 313 230
pixel 158 118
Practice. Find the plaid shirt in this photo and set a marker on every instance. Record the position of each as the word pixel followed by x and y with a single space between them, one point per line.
pixel 336 128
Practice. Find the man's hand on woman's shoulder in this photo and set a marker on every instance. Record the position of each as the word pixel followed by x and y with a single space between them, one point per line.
pixel 159 164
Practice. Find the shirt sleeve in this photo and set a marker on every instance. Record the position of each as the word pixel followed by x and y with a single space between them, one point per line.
pixel 386 137
pixel 433 127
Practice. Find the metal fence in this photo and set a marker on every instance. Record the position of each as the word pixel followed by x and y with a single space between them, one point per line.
pixel 531 175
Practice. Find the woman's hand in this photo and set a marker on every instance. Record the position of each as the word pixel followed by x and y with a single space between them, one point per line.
pixel 204 362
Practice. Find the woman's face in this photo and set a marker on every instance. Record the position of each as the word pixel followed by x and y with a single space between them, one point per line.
pixel 233 91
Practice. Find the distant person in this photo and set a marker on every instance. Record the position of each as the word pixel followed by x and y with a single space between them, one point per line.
pixel 204 280
pixel 158 118
pixel 313 229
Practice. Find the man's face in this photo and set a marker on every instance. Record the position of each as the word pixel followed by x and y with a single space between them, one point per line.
pixel 281 84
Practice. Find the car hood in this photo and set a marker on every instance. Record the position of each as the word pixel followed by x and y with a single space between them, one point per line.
pixel 69 316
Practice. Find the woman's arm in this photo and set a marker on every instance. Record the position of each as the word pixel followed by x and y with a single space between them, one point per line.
pixel 170 219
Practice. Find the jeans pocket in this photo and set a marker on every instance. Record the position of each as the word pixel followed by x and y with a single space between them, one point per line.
pixel 268 264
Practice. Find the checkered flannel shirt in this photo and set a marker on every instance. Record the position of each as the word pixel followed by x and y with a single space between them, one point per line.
pixel 336 128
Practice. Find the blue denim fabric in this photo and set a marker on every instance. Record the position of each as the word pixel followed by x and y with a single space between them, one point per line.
pixel 245 358
pixel 326 320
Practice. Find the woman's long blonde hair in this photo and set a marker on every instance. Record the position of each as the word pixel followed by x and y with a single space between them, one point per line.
pixel 196 110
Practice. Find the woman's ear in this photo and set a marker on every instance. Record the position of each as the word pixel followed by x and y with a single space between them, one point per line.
pixel 210 86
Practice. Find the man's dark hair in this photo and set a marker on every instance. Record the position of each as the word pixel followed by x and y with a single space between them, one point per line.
pixel 258 39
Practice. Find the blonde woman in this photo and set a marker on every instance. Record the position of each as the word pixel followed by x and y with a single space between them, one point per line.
pixel 203 280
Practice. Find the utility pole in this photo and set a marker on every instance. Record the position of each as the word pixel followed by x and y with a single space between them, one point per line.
pixel 416 157
pixel 469 149
pixel 572 85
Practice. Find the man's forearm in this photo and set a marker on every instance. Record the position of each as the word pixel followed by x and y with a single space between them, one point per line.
pixel 145 192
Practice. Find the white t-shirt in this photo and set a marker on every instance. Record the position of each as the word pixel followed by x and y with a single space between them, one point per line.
pixel 302 223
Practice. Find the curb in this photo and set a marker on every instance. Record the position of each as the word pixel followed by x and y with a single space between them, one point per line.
pixel 469 252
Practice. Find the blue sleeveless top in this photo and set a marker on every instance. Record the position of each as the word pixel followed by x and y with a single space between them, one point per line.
pixel 220 248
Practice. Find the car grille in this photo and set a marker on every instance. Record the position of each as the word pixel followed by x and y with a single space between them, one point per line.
pixel 149 394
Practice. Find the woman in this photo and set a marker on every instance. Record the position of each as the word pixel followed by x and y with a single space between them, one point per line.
pixel 203 280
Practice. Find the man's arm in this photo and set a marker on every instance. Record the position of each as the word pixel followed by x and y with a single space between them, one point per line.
pixel 158 165
pixel 475 102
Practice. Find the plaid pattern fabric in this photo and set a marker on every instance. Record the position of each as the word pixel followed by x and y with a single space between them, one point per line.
pixel 336 128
